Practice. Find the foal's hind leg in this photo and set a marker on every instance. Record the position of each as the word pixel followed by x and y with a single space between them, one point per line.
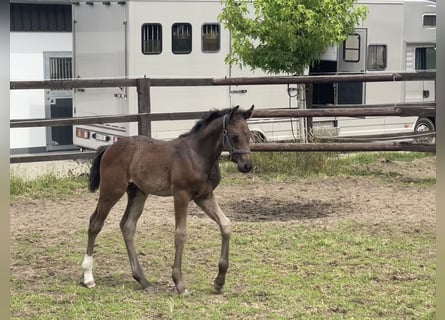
pixel 136 201
pixel 181 202
pixel 97 219
pixel 212 209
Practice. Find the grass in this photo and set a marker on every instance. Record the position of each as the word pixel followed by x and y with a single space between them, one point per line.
pixel 285 166
pixel 268 166
pixel 325 163
pixel 277 271
pixel 45 186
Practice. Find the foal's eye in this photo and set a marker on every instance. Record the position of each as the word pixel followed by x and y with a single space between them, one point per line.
pixel 235 138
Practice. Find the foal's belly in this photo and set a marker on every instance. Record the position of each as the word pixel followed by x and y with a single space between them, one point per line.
pixel 154 185
pixel 159 189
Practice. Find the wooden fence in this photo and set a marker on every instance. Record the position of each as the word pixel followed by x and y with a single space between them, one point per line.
pixel 145 117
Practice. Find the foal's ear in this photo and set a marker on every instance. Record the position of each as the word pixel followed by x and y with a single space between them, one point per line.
pixel 248 113
pixel 233 111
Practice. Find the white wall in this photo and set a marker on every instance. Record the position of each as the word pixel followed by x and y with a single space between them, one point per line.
pixel 26 63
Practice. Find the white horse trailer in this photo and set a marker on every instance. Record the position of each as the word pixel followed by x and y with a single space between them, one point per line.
pixel 161 39
pixel 183 39
pixel 397 36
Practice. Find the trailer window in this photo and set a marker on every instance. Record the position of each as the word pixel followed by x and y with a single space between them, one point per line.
pixel 181 38
pixel 429 20
pixel 376 57
pixel 151 38
pixel 351 48
pixel 425 58
pixel 210 37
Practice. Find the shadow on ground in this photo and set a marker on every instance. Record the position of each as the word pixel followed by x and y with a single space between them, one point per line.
pixel 270 209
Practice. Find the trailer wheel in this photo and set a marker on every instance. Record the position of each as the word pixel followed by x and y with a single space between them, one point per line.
pixel 424 125
pixel 257 137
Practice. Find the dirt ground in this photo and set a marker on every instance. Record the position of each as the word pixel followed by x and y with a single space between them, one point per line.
pixel 397 199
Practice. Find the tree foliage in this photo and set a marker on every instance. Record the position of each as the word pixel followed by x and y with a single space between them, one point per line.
pixel 286 35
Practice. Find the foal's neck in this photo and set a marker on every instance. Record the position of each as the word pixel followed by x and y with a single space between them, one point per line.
pixel 209 141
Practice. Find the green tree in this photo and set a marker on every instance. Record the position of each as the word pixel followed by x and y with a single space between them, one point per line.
pixel 286 35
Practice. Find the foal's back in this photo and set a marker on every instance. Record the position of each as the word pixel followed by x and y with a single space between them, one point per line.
pixel 154 166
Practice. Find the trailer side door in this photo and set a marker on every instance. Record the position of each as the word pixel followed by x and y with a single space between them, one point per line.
pixel 99 35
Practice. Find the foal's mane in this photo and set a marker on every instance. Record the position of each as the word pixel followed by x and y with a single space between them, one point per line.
pixel 206 120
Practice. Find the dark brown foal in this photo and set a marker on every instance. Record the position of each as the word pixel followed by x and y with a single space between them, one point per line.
pixel 186 168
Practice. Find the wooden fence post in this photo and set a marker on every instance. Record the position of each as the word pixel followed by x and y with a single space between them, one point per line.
pixel 144 106
pixel 309 120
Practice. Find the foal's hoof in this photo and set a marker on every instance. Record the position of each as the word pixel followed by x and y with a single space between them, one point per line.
pixel 185 292
pixel 149 289
pixel 89 285
pixel 218 287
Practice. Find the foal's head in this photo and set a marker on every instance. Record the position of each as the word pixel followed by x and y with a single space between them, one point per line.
pixel 237 137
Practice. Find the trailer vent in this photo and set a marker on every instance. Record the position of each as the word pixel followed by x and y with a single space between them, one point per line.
pixel 429 20
pixel 60 68
pixel 40 17
pixel 151 38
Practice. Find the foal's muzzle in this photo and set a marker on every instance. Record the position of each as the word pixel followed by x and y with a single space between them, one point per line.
pixel 244 166
pixel 242 159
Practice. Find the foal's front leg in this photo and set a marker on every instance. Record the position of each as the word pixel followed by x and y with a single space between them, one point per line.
pixel 181 200
pixel 212 209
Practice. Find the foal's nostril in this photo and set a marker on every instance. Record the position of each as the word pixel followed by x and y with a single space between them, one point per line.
pixel 246 167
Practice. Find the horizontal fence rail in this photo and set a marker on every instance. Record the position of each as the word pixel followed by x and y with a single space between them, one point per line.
pixel 385 110
pixel 105 119
pixel 190 82
pixel 255 147
pixel 144 115
pixel 342 147
pixel 51 156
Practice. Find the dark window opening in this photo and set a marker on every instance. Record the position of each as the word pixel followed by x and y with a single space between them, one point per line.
pixel 211 38
pixel 182 38
pixel 429 20
pixel 425 58
pixel 151 38
pixel 376 57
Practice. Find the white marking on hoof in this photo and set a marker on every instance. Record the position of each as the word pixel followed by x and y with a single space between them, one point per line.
pixel 90 285
pixel 184 293
pixel 87 266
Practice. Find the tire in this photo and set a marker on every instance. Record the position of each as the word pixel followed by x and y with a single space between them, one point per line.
pixel 257 137
pixel 424 125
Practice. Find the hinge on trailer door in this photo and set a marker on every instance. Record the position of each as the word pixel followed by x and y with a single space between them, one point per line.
pixel 239 91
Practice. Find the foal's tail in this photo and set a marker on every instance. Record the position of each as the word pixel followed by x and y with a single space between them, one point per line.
pixel 94 171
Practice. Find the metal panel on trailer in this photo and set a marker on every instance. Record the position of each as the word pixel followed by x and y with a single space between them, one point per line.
pixel 99 52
